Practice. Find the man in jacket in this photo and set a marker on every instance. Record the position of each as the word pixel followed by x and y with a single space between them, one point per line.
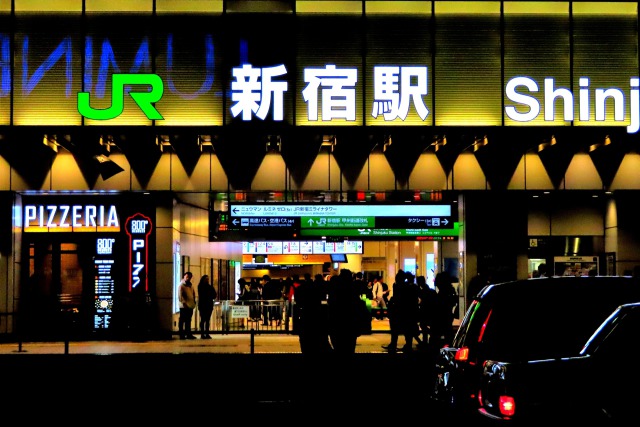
pixel 187 300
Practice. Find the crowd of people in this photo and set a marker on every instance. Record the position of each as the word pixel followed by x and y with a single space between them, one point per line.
pixel 330 313
pixel 420 313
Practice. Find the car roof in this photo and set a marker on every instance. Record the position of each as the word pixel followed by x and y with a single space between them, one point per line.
pixel 541 317
pixel 555 284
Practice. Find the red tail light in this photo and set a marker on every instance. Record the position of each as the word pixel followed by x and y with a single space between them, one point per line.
pixel 507 406
pixel 462 354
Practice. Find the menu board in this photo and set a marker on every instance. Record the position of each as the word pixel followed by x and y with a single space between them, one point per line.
pixel 306 247
pixel 318 247
pixel 104 284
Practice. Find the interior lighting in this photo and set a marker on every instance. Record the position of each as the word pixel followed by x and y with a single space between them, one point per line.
pixel 205 141
pixel 594 147
pixel 329 141
pixel 440 143
pixel 274 144
pixel 547 144
pixel 163 142
pixel 479 143
pixel 51 141
pixel 387 143
pixel 106 142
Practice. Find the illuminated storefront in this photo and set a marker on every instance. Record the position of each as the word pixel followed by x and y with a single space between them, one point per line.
pixel 523 114
pixel 89 257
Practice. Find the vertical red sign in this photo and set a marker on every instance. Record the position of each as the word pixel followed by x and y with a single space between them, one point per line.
pixel 138 229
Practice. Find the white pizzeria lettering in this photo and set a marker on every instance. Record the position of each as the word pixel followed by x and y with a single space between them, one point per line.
pixel 67 216
pixel 29 215
pixel 90 216
pixel 136 269
pixel 76 215
pixel 65 213
pixel 137 244
pixel 112 221
pixel 551 94
pixel 52 215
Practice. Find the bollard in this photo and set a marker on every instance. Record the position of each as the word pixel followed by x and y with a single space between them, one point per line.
pixel 253 339
pixel 66 346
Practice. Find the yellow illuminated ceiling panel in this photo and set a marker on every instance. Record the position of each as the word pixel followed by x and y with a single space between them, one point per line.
pixel 121 6
pixel 386 7
pixel 337 7
pixel 468 64
pixel 40 6
pixel 189 6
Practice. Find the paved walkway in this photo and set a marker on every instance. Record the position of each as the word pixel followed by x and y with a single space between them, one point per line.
pixel 266 343
pixel 233 343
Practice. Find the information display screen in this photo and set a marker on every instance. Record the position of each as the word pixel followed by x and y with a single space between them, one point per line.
pixel 316 221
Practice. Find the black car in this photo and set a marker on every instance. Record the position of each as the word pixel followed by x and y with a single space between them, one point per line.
pixel 518 321
pixel 598 385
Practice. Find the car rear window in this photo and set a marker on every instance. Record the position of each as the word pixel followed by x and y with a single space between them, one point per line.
pixel 540 320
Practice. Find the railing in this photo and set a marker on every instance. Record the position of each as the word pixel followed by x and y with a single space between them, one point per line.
pixel 256 315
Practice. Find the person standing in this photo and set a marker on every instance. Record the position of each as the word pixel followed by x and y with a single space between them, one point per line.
pixel 427 297
pixel 311 322
pixel 378 296
pixel 446 300
pixel 272 296
pixel 409 307
pixel 187 299
pixel 206 298
pixel 345 307
pixel 395 315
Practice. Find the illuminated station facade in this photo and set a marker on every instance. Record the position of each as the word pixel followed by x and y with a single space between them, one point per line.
pixel 143 139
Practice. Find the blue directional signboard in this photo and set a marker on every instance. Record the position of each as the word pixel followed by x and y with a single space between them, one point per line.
pixel 244 221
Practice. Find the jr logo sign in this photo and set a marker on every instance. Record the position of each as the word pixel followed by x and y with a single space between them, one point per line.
pixel 143 99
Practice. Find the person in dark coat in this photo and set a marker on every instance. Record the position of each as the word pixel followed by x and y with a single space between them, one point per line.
pixel 206 298
pixel 312 329
pixel 409 308
pixel 445 302
pixel 345 307
pixel 394 313
pixel 427 297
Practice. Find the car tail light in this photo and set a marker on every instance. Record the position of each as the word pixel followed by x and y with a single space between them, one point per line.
pixel 462 355
pixel 507 406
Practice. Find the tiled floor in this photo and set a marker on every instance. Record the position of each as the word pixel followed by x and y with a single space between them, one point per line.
pixel 220 343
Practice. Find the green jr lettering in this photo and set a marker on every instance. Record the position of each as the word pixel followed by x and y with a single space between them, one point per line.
pixel 143 99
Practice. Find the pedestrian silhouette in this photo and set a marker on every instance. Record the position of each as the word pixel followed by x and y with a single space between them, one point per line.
pixel 426 296
pixel 206 298
pixel 311 308
pixel 445 302
pixel 393 310
pixel 345 307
